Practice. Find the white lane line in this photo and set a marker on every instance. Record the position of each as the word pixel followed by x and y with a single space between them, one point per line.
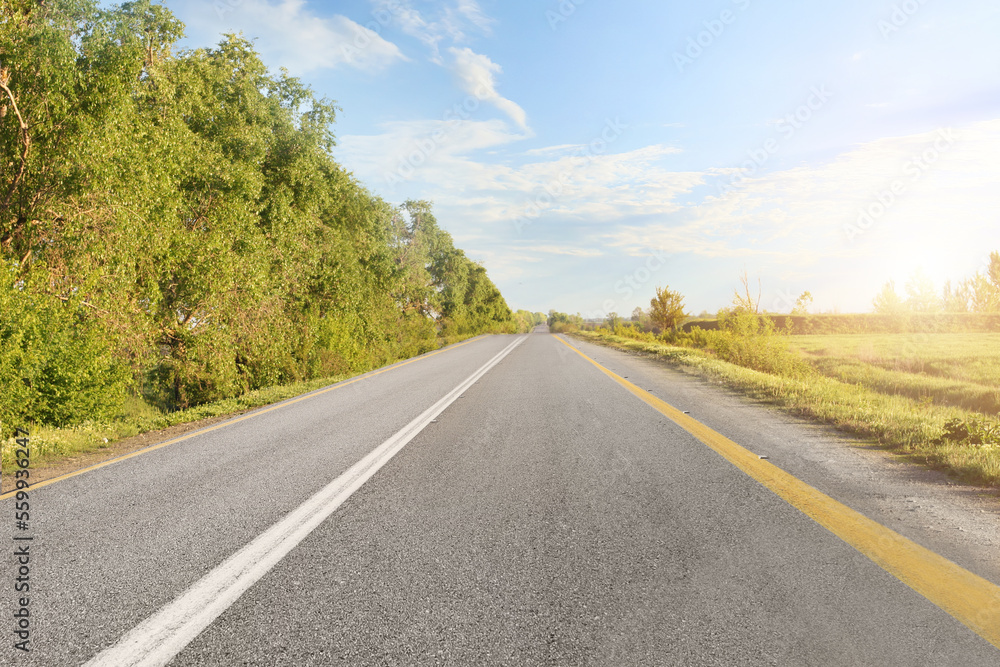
pixel 163 635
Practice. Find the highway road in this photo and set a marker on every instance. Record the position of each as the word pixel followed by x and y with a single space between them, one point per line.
pixel 517 500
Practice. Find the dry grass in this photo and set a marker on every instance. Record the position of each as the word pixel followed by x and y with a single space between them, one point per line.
pixel 882 411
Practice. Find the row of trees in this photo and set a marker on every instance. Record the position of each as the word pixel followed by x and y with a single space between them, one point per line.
pixel 173 224
pixel 978 294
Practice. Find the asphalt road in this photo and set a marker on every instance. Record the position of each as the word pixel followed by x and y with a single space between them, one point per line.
pixel 545 517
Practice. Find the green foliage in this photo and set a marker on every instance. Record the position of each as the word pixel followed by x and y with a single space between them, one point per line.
pixel 920 294
pixel 802 304
pixel 960 370
pixel 971 431
pixel 888 302
pixel 186 208
pixel 524 321
pixel 752 341
pixel 564 322
pixel 55 363
pixel 666 309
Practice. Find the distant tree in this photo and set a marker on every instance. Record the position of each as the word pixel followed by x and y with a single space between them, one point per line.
pixel 802 304
pixel 984 287
pixel 666 309
pixel 921 297
pixel 956 299
pixel 887 302
pixel 640 318
pixel 613 320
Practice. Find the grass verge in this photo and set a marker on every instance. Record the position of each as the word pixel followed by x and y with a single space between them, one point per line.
pixel 898 423
pixel 50 445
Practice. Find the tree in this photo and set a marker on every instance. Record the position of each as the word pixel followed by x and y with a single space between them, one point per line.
pixel 887 302
pixel 955 299
pixel 666 309
pixel 802 304
pixel 176 222
pixel 613 320
pixel 921 297
pixel 984 287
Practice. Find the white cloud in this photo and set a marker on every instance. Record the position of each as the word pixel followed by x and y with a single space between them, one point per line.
pixel 477 76
pixel 471 10
pixel 561 149
pixel 287 32
pixel 567 250
pixel 439 160
pixel 930 199
pixel 449 22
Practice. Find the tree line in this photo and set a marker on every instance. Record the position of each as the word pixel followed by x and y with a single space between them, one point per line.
pixel 173 226
pixel 979 293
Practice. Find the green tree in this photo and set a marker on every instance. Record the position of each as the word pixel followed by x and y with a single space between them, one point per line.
pixel 666 309
pixel 921 296
pixel 802 304
pixel 179 215
pixel 888 302
pixel 984 287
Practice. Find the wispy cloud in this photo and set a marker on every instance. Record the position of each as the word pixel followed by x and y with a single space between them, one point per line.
pixel 572 251
pixel 455 174
pixel 477 76
pixel 289 33
pixel 471 10
pixel 444 22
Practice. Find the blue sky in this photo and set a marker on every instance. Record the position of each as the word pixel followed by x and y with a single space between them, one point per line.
pixel 588 151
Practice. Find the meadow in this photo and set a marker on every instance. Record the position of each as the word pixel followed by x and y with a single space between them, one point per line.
pixel 960 369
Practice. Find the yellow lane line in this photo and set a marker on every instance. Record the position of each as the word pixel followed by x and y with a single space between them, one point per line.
pixel 230 422
pixel 971 599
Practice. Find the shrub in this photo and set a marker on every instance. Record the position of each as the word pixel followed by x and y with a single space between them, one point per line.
pixel 56 364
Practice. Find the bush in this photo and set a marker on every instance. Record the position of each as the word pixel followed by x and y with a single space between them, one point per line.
pixel 56 364
pixel 972 431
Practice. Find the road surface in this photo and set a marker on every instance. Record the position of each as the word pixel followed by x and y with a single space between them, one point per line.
pixel 502 501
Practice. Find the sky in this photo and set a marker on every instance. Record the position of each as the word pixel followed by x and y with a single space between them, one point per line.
pixel 588 151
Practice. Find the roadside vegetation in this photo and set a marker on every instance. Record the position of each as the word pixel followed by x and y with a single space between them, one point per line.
pixel 933 397
pixel 175 233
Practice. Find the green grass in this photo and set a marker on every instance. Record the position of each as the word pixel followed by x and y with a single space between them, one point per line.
pixel 900 422
pixel 961 370
pixel 49 444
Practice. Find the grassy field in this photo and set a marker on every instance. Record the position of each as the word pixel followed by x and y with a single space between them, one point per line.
pixel 898 390
pixel 961 370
